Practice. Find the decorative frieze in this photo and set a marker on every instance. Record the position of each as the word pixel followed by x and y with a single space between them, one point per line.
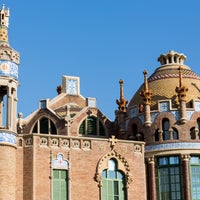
pixel 65 142
pixel 169 146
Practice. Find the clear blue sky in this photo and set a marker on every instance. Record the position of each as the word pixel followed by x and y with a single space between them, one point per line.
pixel 101 41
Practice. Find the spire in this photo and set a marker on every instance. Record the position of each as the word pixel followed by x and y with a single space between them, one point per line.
pixel 181 90
pixel 122 102
pixel 146 93
pixel 4 23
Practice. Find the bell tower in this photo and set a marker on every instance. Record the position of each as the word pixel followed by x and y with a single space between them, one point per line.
pixel 9 61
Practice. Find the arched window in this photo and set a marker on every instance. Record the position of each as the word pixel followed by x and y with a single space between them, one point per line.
pixel 113 182
pixel 168 132
pixel 175 134
pixel 44 126
pixel 192 133
pixel 92 126
pixel 157 135
pixel 165 129
pixel 198 124
pixel 134 131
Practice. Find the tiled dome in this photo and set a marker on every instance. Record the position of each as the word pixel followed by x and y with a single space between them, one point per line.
pixel 165 79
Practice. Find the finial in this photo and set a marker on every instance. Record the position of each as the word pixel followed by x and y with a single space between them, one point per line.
pixel 122 102
pixel 145 80
pixel 146 93
pixel 59 89
pixel 180 76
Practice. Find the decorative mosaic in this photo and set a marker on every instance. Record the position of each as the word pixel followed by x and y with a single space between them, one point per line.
pixel 134 112
pixel 164 106
pixel 180 145
pixel 197 105
pixel 187 74
pixel 59 162
pixel 8 138
pixel 8 68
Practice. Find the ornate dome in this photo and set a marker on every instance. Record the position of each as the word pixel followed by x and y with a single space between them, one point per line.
pixel 165 79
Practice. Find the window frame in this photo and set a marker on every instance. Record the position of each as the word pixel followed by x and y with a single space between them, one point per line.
pixel 97 127
pixel 195 190
pixel 171 177
pixel 50 126
pixel 113 183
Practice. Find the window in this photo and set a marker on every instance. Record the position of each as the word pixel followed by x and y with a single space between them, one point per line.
pixel 198 123
pixel 134 132
pixel 169 184
pixel 192 133
pixel 113 181
pixel 60 184
pixel 165 128
pixel 92 126
pixel 175 134
pixel 195 177
pixel 168 132
pixel 157 137
pixel 44 126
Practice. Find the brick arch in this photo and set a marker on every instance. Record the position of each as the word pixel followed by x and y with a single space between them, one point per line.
pixel 195 116
pixel 121 163
pixel 136 121
pixel 158 120
pixel 39 115
pixel 90 112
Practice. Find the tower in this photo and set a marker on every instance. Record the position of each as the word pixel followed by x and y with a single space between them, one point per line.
pixel 9 61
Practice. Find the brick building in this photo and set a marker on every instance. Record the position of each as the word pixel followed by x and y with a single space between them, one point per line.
pixel 69 150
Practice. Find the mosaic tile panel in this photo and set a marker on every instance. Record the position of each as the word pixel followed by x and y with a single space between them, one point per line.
pixel 8 138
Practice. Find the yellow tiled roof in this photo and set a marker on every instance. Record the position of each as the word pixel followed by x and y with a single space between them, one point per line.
pixel 163 83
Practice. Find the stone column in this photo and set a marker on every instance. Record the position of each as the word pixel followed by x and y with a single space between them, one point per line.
pixel 151 178
pixel 186 176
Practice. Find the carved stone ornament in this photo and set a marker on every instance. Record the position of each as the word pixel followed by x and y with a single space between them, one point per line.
pixel 121 163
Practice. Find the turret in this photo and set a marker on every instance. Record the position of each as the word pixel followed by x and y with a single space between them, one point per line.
pixel 182 90
pixel 146 94
pixel 121 113
pixel 9 61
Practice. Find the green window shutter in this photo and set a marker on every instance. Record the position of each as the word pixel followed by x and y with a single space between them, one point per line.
pixel 113 184
pixel 56 184
pixel 91 126
pixel 82 128
pixel 60 184
pixel 101 129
